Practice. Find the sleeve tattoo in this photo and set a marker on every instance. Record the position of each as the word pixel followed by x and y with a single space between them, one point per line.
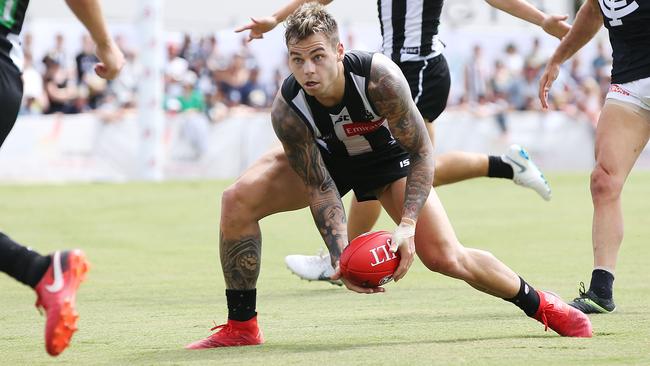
pixel 304 157
pixel 391 95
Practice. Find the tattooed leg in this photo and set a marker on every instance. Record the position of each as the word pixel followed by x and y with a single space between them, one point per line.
pixel 240 261
pixel 268 187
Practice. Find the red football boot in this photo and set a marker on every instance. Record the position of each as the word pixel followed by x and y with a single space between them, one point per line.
pixel 233 333
pixel 56 294
pixel 562 318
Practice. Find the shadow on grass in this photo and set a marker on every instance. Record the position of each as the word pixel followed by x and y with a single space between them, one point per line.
pixel 234 354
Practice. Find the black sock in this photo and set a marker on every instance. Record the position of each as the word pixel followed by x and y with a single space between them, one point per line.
pixel 601 283
pixel 527 298
pixel 241 304
pixel 497 168
pixel 22 263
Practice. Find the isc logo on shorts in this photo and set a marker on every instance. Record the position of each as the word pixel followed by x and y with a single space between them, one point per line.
pixel 404 163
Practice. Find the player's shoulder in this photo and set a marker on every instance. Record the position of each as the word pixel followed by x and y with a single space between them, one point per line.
pixel 358 62
pixel 290 88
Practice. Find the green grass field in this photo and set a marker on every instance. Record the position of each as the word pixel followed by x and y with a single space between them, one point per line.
pixel 156 284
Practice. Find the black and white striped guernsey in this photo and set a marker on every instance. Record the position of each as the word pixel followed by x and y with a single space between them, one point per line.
pixel 12 16
pixel 352 128
pixel 409 29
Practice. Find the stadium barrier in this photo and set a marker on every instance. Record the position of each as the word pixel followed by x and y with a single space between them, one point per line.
pixel 57 148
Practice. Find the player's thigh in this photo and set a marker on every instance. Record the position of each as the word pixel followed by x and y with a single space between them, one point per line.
pixel 622 133
pixel 435 238
pixel 270 185
pixel 11 91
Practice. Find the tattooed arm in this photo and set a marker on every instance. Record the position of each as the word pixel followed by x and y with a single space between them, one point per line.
pixel 390 92
pixel 391 95
pixel 305 159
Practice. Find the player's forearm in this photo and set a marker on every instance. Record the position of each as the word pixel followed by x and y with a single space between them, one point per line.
pixel 329 216
pixel 520 9
pixel 588 22
pixel 89 12
pixel 288 9
pixel 418 184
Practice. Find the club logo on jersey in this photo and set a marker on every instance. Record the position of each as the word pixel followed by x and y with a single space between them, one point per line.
pixel 361 128
pixel 617 9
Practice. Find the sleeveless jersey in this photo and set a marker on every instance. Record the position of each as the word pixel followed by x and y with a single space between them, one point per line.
pixel 12 15
pixel 409 29
pixel 628 23
pixel 351 129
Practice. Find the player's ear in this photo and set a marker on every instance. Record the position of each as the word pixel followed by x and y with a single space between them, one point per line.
pixel 340 51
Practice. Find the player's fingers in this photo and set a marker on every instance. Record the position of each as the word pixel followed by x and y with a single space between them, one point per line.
pixel 337 273
pixel 100 70
pixel 561 17
pixel 543 90
pixel 243 28
pixel 359 289
pixel 394 245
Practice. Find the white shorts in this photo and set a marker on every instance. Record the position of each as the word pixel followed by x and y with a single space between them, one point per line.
pixel 635 92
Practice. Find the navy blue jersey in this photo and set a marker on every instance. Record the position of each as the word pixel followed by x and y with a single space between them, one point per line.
pixel 628 22
pixel 352 128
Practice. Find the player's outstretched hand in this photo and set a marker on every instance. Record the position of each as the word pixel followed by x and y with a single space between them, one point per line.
pixel 111 61
pixel 556 25
pixel 352 286
pixel 403 239
pixel 550 74
pixel 257 27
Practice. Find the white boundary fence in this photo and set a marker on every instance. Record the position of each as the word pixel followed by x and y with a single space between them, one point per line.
pixel 83 148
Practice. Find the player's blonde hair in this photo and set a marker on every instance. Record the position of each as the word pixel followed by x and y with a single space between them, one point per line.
pixel 311 18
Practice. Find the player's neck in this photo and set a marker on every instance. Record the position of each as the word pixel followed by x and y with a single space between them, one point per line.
pixel 334 95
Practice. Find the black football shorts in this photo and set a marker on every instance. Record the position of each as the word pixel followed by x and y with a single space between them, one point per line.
pixel 429 81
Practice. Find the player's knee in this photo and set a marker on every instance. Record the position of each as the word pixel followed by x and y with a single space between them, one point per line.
pixel 604 185
pixel 236 205
pixel 449 262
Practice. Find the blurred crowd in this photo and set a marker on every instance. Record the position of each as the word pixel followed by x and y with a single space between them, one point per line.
pixel 510 82
pixel 197 78
pixel 202 79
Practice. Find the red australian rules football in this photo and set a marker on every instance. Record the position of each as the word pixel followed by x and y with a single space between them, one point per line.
pixel 367 261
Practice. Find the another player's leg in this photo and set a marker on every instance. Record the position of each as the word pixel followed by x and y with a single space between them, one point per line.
pixel 55 278
pixel 515 164
pixel 439 249
pixel 622 133
pixel 268 187
pixel 362 216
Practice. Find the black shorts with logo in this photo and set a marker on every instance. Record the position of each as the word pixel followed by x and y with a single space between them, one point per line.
pixel 366 173
pixel 430 82
pixel 11 91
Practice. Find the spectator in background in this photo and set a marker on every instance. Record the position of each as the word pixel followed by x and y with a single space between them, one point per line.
pixel 58 53
pixel 87 81
pixel 234 81
pixel 195 126
pixel 253 92
pixel 60 90
pixel 34 98
pixel 513 60
pixel 476 76
pixel 536 58
pixel 85 60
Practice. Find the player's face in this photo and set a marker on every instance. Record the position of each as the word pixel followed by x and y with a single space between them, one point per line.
pixel 314 63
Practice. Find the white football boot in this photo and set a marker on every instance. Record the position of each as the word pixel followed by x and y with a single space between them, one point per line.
pixel 312 267
pixel 526 173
